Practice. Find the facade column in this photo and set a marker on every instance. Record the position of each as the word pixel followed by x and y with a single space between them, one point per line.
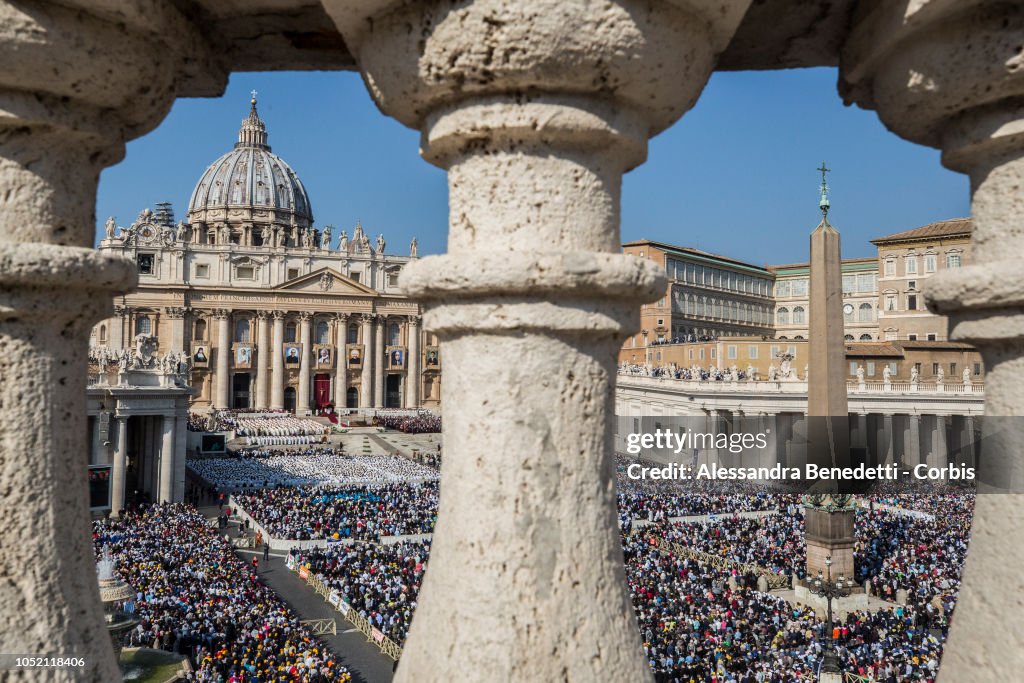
pixel 888 445
pixel 366 376
pixel 263 354
pixel 180 449
pixel 412 363
pixel 117 327
pixel 168 434
pixel 378 361
pixel 222 382
pixel 940 452
pixel 912 454
pixel 176 314
pixel 341 360
pixel 120 465
pixel 306 337
pixel 908 61
pixel 535 122
pixel 277 363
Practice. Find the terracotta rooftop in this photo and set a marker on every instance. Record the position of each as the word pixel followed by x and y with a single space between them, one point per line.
pixel 874 349
pixel 947 228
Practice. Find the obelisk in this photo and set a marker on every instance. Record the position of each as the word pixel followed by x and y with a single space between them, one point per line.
pixel 829 510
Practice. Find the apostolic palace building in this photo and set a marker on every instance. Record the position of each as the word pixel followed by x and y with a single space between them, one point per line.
pixel 269 311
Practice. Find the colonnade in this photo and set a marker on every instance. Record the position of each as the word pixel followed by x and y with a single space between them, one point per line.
pixel 535 108
pixel 159 447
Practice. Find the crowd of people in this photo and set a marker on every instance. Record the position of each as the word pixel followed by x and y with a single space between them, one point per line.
pixel 689 338
pixel 279 430
pixel 712 373
pixel 381 582
pixel 271 468
pixel 423 422
pixel 356 512
pixel 193 596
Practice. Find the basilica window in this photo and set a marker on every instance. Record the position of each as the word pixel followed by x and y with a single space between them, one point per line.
pixel 202 270
pixel 145 263
pixel 355 276
pixel 782 316
pixel 322 332
pixel 293 273
pixel 353 334
pixel 393 278
pixel 199 330
pixel 798 315
pixel 242 331
pixel 103 334
pixel 143 325
pixel 290 332
pixel 394 334
pixel 245 273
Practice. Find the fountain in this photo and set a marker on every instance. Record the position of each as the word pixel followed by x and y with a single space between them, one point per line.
pixel 114 593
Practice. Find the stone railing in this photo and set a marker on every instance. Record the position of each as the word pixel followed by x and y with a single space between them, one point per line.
pixel 800 386
pixel 774 581
pixel 333 598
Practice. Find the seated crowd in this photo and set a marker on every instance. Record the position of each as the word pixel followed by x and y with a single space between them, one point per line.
pixel 357 512
pixel 381 582
pixel 424 422
pixel 195 597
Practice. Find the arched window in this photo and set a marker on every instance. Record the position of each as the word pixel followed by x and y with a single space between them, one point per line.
pixel 322 332
pixel 199 330
pixel 289 332
pixel 865 337
pixel 103 334
pixel 394 334
pixel 848 337
pixel 798 338
pixel 242 331
pixel 866 313
pixel 143 325
pixel 783 338
pixel 782 317
pixel 798 315
pixel 353 334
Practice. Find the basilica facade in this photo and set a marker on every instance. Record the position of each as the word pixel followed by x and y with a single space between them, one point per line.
pixel 271 312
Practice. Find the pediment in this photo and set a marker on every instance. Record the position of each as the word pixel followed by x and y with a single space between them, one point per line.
pixel 326 281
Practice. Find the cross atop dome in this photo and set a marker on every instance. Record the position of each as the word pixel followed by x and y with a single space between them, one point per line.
pixel 253 132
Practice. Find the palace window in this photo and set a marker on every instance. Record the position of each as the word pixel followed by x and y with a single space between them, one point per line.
pixel 890 302
pixel 731 352
pixel 977 368
pixel 890 267
pixel 952 260
pixel 952 368
pixel 929 263
pixel 865 337
pixel 911 265
pixel 322 332
pixel 242 331
pixel 911 337
pixel 911 302
pixel 931 337
pixel 935 368
pixel 866 313
pixel 848 337
pixel 798 315
pixel 800 287
pixel 870 368
pixel 783 316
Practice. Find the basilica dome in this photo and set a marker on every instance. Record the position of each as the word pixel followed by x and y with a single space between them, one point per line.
pixel 250 184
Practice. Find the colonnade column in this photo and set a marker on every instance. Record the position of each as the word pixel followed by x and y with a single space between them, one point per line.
pixel 412 364
pixel 912 62
pixel 535 108
pixel 263 354
pixel 277 363
pixel 366 376
pixel 341 368
pixel 378 361
pixel 222 386
pixel 912 451
pixel 120 465
pixel 168 435
pixel 305 335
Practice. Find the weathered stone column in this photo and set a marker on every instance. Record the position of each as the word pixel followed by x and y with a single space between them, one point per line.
pixel 168 434
pixel 277 363
pixel 536 108
pixel 912 450
pixel 951 76
pixel 263 354
pixel 222 387
pixel 366 376
pixel 378 361
pixel 412 363
pixel 341 361
pixel 306 337
pixel 73 88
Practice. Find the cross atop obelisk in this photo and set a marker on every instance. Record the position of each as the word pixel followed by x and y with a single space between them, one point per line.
pixel 824 204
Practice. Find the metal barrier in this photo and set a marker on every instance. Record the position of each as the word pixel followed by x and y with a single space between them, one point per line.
pixel 372 633
pixel 319 627
pixel 775 581
pixel 849 677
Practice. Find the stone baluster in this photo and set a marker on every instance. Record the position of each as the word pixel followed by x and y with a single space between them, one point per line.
pixel 535 108
pixel 74 86
pixel 914 64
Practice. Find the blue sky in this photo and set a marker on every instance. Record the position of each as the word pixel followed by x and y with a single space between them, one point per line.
pixel 735 176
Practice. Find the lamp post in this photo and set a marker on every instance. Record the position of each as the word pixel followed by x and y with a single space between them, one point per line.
pixel 829 589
